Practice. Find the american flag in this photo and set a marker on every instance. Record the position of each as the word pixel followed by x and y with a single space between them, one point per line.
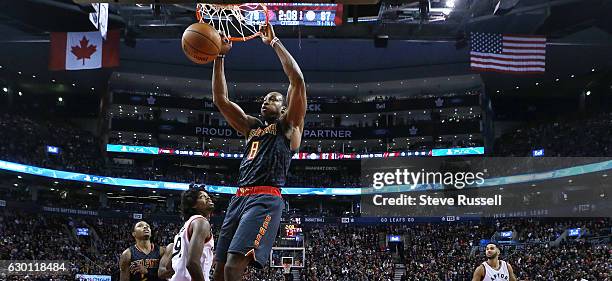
pixel 508 53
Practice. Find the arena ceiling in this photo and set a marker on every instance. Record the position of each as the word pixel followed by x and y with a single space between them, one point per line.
pixel 579 36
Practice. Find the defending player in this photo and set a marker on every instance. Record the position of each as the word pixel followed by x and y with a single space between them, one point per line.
pixel 192 255
pixel 493 269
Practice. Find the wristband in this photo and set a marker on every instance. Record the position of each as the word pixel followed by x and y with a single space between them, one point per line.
pixel 274 41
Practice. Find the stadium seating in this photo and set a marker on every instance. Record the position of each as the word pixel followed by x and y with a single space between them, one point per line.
pixel 431 251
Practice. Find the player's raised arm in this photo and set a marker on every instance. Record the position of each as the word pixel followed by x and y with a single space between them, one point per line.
pixel 201 231
pixel 234 115
pixel 296 94
pixel 124 265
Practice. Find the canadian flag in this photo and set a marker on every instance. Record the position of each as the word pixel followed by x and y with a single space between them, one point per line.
pixel 83 50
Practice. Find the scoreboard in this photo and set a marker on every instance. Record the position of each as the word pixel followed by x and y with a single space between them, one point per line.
pixel 292 230
pixel 305 14
pixel 291 234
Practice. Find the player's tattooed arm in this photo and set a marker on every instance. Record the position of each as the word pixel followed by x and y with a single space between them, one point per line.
pixel 124 265
pixel 165 270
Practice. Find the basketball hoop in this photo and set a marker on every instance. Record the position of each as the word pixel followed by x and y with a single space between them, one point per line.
pixel 238 22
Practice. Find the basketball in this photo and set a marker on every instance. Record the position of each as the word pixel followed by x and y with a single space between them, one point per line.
pixel 201 43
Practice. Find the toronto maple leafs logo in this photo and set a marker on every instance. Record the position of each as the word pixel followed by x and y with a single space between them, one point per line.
pixel 84 50
pixel 413 130
pixel 151 100
pixel 439 102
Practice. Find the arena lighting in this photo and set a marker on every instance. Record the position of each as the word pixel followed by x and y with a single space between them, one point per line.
pixel 60 99
pixel 588 93
pixel 33 76
pixel 504 6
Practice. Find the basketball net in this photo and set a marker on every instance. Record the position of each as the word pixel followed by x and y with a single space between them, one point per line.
pixel 286 268
pixel 237 22
pixel 99 18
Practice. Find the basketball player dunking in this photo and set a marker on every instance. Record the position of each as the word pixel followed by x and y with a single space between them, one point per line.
pixel 140 261
pixel 192 255
pixel 493 269
pixel 253 215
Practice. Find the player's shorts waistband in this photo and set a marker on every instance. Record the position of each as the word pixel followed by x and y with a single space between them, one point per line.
pixel 254 190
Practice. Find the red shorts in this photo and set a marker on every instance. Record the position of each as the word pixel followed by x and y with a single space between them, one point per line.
pixel 254 190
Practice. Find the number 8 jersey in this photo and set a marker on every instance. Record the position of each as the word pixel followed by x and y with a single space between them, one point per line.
pixel 267 156
pixel 179 253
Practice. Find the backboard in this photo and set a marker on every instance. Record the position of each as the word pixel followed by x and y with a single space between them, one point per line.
pixel 281 256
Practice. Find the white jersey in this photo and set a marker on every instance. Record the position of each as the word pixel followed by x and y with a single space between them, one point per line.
pixel 179 253
pixel 496 275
